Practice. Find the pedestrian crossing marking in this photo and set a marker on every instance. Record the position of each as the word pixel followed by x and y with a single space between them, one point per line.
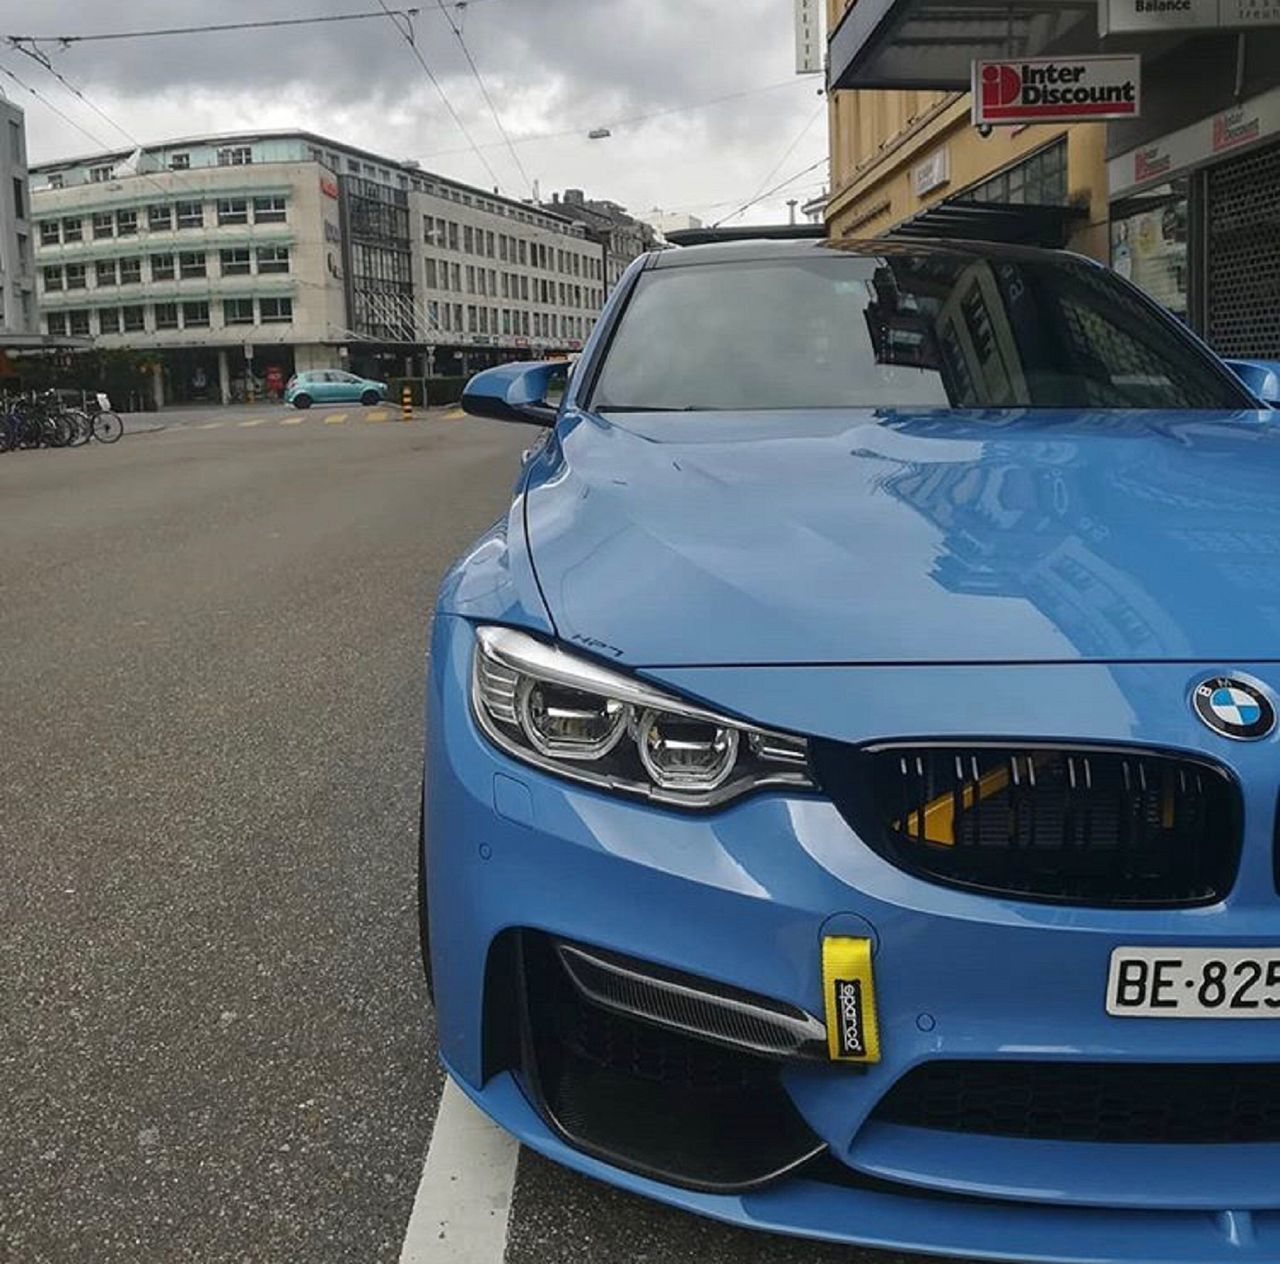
pixel 291 421
pixel 378 414
pixel 210 425
pixel 256 421
pixel 335 419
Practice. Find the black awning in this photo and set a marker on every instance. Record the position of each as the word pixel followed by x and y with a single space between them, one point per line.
pixel 930 44
pixel 1022 224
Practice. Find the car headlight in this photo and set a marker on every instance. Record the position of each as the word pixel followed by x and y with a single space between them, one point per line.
pixel 574 717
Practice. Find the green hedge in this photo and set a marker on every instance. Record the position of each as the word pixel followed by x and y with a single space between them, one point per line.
pixel 440 390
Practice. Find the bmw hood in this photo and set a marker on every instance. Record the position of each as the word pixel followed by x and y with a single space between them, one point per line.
pixel 858 536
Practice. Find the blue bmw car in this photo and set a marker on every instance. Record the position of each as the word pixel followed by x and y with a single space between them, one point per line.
pixel 852 769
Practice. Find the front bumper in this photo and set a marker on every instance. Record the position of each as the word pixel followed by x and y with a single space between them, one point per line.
pixel 744 896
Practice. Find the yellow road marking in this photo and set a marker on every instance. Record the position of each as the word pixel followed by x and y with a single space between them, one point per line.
pixel 455 415
pixel 291 421
pixel 377 415
pixel 210 425
pixel 257 421
pixel 335 419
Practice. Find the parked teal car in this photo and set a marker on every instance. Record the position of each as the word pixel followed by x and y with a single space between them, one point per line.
pixel 332 386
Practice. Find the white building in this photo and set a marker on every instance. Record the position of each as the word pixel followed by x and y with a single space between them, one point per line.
pixel 19 324
pixel 664 222
pixel 239 259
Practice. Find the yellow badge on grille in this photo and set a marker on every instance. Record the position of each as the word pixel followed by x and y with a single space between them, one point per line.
pixel 853 1034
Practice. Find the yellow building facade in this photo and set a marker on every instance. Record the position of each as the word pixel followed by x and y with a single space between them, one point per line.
pixel 895 153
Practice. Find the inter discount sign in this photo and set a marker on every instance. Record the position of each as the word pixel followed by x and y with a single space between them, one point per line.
pixel 1056 90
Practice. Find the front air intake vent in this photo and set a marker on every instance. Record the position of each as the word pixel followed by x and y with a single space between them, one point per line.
pixel 1075 825
pixel 692 1005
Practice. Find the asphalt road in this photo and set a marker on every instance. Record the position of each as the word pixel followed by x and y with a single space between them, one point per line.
pixel 214 1043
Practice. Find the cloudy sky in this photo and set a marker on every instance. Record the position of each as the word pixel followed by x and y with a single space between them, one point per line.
pixel 555 69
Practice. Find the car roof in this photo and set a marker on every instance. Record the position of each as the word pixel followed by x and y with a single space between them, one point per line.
pixel 757 249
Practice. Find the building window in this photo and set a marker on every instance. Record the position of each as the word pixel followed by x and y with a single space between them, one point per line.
pixel 195 315
pixel 49 234
pixel 237 311
pixel 179 162
pixel 105 272
pixel 166 315
pixel 521 247
pixel 75 276
pixel 162 268
pixel 159 218
pixel 134 319
pixel 275 311
pixel 104 225
pixel 471 318
pixel 56 324
pixel 268 210
pixel 468 239
pixel 126 223
pixel 273 258
pixel 453 235
pixel 233 210
pixel 235 156
pixel 455 273
pixel 191 263
pixel 471 279
pixel 55 180
pixel 53 278
pixel 429 273
pixel 99 175
pixel 131 271
pixel 190 214
pixel 234 262
pixel 108 320
pixel 488 245
pixel 1149 243
pixel 1040 180
pixel 78 323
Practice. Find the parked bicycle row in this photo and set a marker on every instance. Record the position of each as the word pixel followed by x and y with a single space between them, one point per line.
pixel 44 421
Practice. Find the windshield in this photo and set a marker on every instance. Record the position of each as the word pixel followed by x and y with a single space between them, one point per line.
pixel 911 330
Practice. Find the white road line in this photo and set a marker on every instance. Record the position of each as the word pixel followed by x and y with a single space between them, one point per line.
pixel 291 421
pixel 460 1212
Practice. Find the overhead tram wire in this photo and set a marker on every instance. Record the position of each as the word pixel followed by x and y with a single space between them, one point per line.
pixel 773 171
pixel 407 36
pixel 209 28
pixel 66 118
pixel 42 60
pixel 484 91
pixel 760 197
pixel 628 121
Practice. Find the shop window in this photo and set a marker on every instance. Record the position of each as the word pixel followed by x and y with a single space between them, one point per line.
pixel 1149 243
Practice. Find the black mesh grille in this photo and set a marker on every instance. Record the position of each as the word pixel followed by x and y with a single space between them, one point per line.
pixel 1073 825
pixel 1055 1101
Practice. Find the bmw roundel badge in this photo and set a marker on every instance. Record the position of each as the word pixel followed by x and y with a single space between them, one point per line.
pixel 1233 708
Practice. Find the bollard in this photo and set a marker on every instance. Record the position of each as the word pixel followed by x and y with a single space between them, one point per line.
pixel 406 404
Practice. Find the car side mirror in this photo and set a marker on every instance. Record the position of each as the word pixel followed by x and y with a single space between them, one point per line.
pixel 1262 377
pixel 517 392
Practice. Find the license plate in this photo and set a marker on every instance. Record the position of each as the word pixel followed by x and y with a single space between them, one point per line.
pixel 1194 983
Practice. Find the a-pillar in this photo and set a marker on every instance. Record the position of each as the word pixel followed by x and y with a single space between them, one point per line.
pixel 224 377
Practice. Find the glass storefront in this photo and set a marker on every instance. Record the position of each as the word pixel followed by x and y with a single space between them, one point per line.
pixel 1149 243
